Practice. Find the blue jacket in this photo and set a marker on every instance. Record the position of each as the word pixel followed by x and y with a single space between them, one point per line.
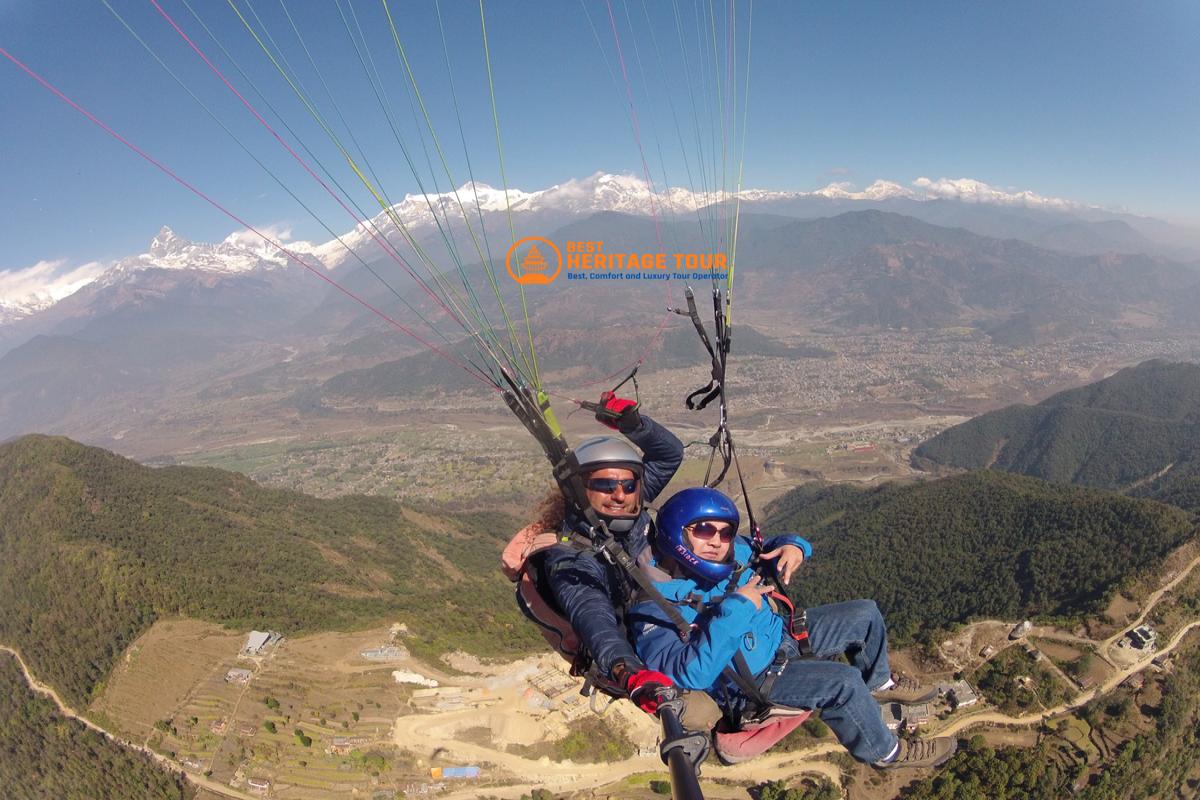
pixel 733 624
pixel 589 590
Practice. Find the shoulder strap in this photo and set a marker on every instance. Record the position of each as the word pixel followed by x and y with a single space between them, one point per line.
pixel 612 551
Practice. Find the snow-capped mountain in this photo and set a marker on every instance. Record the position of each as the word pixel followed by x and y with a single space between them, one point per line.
pixel 962 202
pixel 629 194
pixel 19 308
pixel 239 252
pixel 25 292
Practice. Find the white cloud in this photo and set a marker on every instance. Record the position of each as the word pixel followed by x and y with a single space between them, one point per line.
pixel 46 282
pixel 250 240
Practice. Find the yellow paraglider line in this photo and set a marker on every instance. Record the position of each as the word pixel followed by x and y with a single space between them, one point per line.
pixel 451 295
pixel 531 369
pixel 487 55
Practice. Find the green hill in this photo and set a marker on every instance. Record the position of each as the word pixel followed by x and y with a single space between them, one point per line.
pixel 44 754
pixel 94 548
pixel 979 545
pixel 1138 428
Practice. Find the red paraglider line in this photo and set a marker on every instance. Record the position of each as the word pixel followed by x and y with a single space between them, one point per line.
pixel 249 107
pixel 171 174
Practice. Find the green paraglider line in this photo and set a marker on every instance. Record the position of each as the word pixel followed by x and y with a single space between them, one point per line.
pixel 450 294
pixel 380 241
pixel 354 254
pixel 487 58
pixel 199 193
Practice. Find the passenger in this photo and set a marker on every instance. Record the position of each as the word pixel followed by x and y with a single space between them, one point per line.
pixel 590 591
pixel 727 605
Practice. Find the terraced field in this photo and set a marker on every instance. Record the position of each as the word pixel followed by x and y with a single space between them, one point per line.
pixel 171 693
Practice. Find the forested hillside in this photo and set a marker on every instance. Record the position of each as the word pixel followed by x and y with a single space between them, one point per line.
pixel 983 544
pixel 94 547
pixel 1139 430
pixel 40 753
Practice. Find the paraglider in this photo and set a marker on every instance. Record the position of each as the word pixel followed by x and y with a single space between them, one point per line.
pixel 488 343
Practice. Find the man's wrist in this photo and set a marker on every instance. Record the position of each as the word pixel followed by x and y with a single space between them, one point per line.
pixel 621 670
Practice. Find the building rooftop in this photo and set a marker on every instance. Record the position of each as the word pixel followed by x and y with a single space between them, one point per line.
pixel 256 641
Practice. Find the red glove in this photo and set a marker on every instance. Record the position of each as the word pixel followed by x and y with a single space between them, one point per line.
pixel 618 413
pixel 643 687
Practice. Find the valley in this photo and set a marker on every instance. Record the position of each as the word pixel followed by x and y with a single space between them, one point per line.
pixel 365 733
pixel 854 416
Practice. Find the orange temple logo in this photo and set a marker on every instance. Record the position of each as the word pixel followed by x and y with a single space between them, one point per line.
pixel 532 267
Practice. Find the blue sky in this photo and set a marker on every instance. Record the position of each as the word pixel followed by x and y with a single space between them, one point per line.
pixel 1092 101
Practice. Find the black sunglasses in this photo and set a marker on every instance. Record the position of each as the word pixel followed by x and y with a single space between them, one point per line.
pixel 609 485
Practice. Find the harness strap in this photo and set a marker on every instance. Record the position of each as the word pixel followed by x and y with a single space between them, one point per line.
pixel 797 625
pixel 706 393
pixel 744 679
pixel 616 554
pixel 738 673
pixel 773 672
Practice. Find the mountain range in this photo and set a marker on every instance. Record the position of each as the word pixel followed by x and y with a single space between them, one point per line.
pixel 1047 222
pixel 188 323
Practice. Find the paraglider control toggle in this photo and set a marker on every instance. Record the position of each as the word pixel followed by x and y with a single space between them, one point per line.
pixel 619 413
pixel 645 689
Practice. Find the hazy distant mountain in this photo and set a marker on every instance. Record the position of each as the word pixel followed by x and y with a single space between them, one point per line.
pixel 883 270
pixel 1137 430
pixel 192 323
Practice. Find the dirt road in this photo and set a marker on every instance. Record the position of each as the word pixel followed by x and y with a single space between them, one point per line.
pixel 436 732
pixel 1148 606
pixel 983 716
pixel 67 711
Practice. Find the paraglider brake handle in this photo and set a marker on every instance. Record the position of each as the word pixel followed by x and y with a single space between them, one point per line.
pixel 603 412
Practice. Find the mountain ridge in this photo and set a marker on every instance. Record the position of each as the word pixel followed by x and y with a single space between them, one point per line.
pixel 1137 430
pixel 965 202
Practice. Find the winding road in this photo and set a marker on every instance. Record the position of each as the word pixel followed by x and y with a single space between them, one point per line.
pixel 67 711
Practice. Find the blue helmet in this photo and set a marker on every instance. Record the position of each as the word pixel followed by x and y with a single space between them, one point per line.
pixel 683 509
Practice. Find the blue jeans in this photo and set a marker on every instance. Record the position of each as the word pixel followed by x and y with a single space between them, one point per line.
pixel 842 692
